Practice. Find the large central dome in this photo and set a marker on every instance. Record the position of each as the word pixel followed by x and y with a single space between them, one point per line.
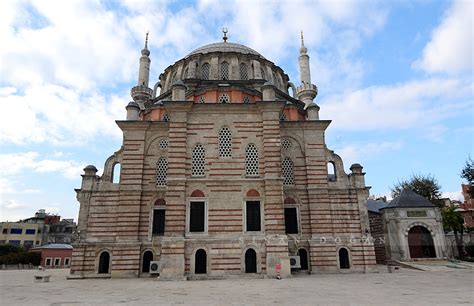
pixel 224 47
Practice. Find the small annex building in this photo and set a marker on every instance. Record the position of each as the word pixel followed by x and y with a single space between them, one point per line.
pixel 55 255
pixel 223 170
pixel 413 228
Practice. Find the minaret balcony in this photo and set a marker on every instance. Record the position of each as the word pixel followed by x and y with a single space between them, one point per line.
pixel 141 93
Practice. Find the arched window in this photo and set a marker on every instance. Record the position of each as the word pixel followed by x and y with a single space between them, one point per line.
pixel 224 98
pixel 104 263
pixel 200 262
pixel 147 258
pixel 161 172
pixel 116 173
pixel 186 73
pixel 344 259
pixel 250 261
pixel 205 69
pixel 243 72
pixel 225 142
pixel 224 71
pixel 303 254
pixel 276 80
pixel 288 172
pixel 331 171
pixel 198 160
pixel 251 160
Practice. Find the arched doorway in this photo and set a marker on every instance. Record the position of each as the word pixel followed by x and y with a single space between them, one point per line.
pixel 200 262
pixel 344 259
pixel 104 262
pixel 303 259
pixel 421 243
pixel 147 258
pixel 250 261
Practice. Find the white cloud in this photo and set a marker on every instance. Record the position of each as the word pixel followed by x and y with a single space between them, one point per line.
pixel 450 49
pixel 399 106
pixel 11 164
pixel 453 195
pixel 356 152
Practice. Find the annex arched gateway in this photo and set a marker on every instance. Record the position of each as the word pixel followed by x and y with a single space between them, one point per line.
pixel 420 243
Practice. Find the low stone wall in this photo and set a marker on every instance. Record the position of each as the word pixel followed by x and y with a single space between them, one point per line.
pixel 451 248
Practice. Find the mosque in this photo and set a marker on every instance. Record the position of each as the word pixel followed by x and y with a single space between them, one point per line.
pixel 223 171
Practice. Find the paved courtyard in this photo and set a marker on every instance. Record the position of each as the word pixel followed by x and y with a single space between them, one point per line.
pixel 404 287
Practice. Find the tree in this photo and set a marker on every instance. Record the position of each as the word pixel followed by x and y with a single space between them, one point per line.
pixel 467 173
pixel 453 220
pixel 426 186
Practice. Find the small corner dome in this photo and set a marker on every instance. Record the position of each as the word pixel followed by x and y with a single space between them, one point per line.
pixel 224 47
pixel 90 167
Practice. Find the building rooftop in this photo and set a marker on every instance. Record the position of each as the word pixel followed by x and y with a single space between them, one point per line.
pixel 407 199
pixel 224 47
pixel 56 246
pixel 375 205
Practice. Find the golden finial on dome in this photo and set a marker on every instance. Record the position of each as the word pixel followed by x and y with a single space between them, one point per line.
pixel 224 30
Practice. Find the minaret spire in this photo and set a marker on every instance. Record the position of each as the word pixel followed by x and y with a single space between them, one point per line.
pixel 141 92
pixel 306 92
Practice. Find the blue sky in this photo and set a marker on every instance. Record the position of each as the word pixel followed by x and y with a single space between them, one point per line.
pixel 396 78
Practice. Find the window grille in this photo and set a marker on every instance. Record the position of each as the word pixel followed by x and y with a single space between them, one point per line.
pixel 161 172
pixel 198 160
pixel 262 72
pixel 225 142
pixel 164 143
pixel 288 172
pixel 247 100
pixel 158 228
pixel 166 117
pixel 224 71
pixel 283 117
pixel 224 98
pixel 253 216
pixel 205 71
pixel 286 144
pixel 243 72
pixel 201 100
pixel 251 160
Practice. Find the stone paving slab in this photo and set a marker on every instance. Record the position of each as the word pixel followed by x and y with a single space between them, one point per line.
pixel 404 287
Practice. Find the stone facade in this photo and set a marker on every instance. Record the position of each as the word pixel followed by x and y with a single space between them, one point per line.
pixel 222 134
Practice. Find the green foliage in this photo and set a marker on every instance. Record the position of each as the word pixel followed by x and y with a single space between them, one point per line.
pixel 12 255
pixel 452 219
pixel 467 173
pixel 470 249
pixel 426 186
pixel 9 248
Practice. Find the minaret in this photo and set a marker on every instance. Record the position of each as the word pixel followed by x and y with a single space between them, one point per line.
pixel 141 92
pixel 306 92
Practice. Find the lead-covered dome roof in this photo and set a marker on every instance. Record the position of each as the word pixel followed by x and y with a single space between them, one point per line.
pixel 224 47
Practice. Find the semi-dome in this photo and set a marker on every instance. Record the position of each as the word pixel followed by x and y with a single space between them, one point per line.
pixel 224 47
